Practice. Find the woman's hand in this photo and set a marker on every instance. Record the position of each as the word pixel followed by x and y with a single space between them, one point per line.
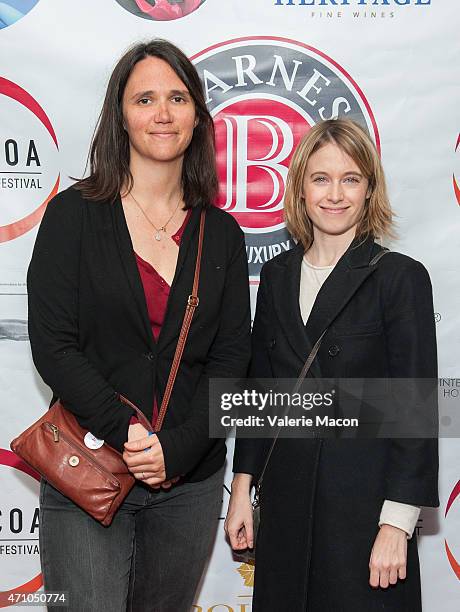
pixel 136 431
pixel 238 524
pixel 144 458
pixel 388 557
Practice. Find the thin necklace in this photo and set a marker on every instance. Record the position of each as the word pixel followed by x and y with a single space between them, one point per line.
pixel 158 230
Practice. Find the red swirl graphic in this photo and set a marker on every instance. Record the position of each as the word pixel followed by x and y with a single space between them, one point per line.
pixel 456 187
pixel 18 228
pixel 10 89
pixel 9 459
pixel 453 496
pixel 20 95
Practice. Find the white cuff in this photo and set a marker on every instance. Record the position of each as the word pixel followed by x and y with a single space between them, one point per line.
pixel 403 516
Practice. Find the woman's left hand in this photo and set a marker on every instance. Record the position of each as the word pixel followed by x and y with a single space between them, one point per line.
pixel 145 461
pixel 388 557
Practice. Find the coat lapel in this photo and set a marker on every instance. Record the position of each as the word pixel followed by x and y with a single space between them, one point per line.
pixel 286 301
pixel 350 272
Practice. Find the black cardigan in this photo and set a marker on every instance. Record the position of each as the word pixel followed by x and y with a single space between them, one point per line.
pixel 90 333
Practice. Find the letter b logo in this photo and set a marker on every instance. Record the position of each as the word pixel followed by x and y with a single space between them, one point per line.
pixel 255 142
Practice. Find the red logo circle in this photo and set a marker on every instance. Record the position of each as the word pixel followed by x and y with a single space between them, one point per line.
pixel 25 224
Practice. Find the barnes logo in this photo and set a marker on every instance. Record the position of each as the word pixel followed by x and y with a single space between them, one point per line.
pixel 264 94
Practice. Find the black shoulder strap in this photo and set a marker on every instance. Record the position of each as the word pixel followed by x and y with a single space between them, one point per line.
pixel 379 256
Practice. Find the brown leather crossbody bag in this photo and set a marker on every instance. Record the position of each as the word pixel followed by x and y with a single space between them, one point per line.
pixel 96 479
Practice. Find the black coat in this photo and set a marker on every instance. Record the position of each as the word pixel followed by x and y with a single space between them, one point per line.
pixel 90 332
pixel 321 498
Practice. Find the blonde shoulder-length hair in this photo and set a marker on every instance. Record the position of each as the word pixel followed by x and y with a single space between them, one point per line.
pixel 377 217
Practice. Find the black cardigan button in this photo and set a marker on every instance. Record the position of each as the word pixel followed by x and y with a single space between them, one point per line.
pixel 334 350
pixel 150 356
pixel 272 343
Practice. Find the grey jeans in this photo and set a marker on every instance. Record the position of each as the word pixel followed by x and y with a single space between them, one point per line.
pixel 150 559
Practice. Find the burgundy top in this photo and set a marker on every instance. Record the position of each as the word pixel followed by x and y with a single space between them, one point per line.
pixel 156 291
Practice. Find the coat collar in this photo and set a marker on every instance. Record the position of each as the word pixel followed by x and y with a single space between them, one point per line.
pixel 170 326
pixel 350 272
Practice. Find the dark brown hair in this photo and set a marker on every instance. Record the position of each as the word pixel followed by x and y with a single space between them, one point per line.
pixel 109 153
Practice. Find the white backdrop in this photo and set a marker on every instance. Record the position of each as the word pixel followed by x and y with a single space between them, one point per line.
pixel 391 64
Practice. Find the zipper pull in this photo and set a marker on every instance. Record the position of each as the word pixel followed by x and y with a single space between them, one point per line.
pixel 55 433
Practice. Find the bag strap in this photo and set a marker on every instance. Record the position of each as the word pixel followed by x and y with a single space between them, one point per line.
pixel 379 256
pixel 140 415
pixel 192 303
pixel 302 375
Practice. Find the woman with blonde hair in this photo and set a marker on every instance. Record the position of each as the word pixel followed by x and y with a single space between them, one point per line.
pixel 337 515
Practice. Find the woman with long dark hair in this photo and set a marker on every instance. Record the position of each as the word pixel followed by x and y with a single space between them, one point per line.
pixel 337 515
pixel 111 272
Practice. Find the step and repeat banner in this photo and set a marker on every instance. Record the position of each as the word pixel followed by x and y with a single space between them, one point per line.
pixel 271 69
